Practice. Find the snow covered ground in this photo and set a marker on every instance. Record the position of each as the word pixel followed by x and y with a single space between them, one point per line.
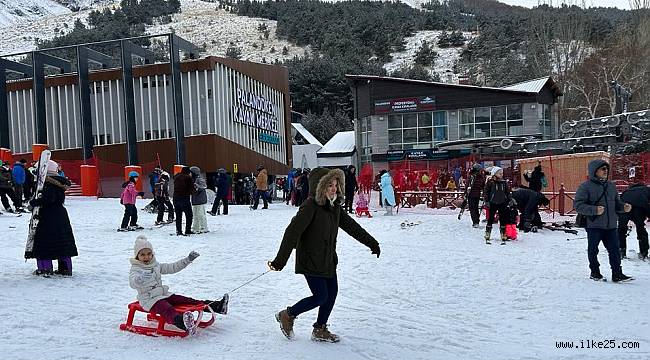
pixel 436 292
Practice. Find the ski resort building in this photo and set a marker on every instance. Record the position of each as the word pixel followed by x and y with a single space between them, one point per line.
pixel 402 119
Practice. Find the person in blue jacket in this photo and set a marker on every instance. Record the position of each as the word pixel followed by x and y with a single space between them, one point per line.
pixel 19 176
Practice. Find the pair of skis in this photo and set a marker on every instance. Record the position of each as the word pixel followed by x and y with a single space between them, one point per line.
pixel 41 174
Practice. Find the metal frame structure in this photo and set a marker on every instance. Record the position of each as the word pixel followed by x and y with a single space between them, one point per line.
pixel 84 54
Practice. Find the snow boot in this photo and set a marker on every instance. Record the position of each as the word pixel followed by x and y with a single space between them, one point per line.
pixel 621 278
pixel 135 227
pixel 190 324
pixel 221 306
pixel 123 229
pixel 286 323
pixel 389 210
pixel 321 333
pixel 211 213
pixel 488 234
pixel 597 276
pixel 504 237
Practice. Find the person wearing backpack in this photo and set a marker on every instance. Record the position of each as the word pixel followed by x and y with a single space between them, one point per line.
pixel 598 201
pixel 536 179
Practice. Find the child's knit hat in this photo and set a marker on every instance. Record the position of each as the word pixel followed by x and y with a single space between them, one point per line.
pixel 495 170
pixel 141 242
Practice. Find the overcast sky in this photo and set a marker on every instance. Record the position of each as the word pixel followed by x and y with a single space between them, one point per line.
pixel 621 4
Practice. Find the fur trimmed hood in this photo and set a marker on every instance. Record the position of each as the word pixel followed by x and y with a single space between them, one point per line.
pixel 319 178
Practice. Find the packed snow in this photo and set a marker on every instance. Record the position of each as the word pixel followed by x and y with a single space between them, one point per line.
pixel 437 292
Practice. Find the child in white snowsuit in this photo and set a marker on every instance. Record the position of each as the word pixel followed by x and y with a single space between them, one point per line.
pixel 145 277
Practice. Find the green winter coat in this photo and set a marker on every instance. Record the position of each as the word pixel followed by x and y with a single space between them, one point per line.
pixel 313 231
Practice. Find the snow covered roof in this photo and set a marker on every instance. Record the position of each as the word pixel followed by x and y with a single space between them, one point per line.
pixel 343 143
pixel 535 85
pixel 306 134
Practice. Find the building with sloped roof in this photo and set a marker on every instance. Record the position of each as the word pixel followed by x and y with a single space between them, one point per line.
pixel 339 152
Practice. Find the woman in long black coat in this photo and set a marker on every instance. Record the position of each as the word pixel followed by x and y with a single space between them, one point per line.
pixel 53 238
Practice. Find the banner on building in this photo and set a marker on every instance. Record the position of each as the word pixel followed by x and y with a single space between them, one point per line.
pixel 420 103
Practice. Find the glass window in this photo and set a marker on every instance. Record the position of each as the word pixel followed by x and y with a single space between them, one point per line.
pixel 515 127
pixel 499 128
pixel 395 147
pixel 439 118
pixel 410 136
pixel 410 120
pixel 424 135
pixel 498 113
pixel 482 115
pixel 482 130
pixel 515 112
pixel 424 119
pixel 467 116
pixel 408 146
pixel 394 136
pixel 440 133
pixel 422 146
pixel 395 121
pixel 466 131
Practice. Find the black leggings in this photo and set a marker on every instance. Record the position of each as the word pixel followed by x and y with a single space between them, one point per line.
pixel 502 209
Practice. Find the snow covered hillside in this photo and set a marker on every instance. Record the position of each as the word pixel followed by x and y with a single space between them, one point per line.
pixel 436 292
pixel 12 11
pixel 444 64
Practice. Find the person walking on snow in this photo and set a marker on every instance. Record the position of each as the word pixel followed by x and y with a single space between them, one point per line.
pixel 128 199
pixel 183 189
pixel 637 195
pixel 387 192
pixel 351 186
pixel 53 238
pixel 145 277
pixel 598 200
pixel 312 232
pixel 497 198
pixel 199 199
pixel 475 186
pixel 223 188
pixel 161 192
pixel 19 176
pixel 262 188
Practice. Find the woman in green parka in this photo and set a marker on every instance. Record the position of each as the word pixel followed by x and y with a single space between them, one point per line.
pixel 312 232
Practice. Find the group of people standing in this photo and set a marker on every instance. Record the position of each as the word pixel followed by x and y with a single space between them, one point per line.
pixel 17 184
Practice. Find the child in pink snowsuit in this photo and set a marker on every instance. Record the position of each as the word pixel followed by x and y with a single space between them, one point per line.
pixel 362 206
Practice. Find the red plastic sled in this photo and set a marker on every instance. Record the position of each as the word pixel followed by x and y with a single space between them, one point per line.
pixel 160 329
pixel 362 211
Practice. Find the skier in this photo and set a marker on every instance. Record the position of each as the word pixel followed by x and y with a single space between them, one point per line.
pixel 53 238
pixel 496 197
pixel 199 199
pixel 473 192
pixel 312 232
pixel 223 187
pixel 528 202
pixel 637 195
pixel 128 199
pixel 387 192
pixel 161 192
pixel 598 200
pixel 351 186
pixel 183 189
pixel 6 188
pixel 145 277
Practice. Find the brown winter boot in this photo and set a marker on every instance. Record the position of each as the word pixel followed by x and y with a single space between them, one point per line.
pixel 504 237
pixel 286 323
pixel 321 333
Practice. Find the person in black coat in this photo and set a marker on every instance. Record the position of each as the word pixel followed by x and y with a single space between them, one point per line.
pixel 53 238
pixel 535 178
pixel 528 202
pixel 351 186
pixel 223 188
pixel 637 195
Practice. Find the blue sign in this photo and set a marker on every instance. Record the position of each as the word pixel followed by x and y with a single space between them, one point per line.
pixel 268 138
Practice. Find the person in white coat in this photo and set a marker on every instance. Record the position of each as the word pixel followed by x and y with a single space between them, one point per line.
pixel 145 277
pixel 199 199
pixel 387 192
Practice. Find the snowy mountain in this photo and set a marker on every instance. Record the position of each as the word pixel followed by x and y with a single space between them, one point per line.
pixel 13 11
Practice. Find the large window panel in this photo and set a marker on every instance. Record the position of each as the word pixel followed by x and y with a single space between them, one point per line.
pixel 515 112
pixel 515 127
pixel 466 116
pixel 482 115
pixel 395 121
pixel 424 135
pixel 498 113
pixel 410 136
pixel 483 130
pixel 410 120
pixel 408 146
pixel 394 136
pixel 499 128
pixel 440 134
pixel 424 119
pixel 466 131
pixel 439 118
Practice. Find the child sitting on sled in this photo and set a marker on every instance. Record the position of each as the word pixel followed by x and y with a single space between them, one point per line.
pixel 145 277
pixel 362 205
